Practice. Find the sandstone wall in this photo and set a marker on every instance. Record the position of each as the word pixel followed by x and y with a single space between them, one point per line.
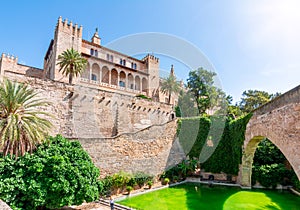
pixel 150 150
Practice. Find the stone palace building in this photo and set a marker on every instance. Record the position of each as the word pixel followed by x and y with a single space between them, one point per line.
pixel 107 69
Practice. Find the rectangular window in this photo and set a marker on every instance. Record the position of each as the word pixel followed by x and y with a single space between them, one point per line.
pixel 94 77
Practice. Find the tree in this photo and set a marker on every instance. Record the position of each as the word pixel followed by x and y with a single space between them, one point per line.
pixel 252 99
pixel 71 63
pixel 169 86
pixel 201 85
pixel 22 126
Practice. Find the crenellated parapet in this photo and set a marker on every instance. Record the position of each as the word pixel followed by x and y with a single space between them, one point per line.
pixel 9 58
pixel 68 27
pixel 8 62
pixel 151 58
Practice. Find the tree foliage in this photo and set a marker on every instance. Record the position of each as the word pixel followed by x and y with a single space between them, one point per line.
pixel 269 166
pixel 71 63
pixel 22 125
pixel 206 95
pixel 59 173
pixel 252 99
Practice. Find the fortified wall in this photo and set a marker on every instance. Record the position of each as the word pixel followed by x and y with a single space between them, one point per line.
pixel 119 132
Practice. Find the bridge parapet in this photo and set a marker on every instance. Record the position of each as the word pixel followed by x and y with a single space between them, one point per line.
pixel 292 96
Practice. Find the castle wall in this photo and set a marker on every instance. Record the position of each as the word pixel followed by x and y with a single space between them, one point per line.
pixel 9 63
pixel 150 150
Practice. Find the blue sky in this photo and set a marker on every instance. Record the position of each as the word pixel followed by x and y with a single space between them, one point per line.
pixel 253 44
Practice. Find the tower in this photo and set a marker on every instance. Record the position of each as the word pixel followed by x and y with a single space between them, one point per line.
pixel 66 36
pixel 152 64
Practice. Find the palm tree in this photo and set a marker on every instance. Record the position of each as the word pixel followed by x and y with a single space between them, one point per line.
pixel 169 86
pixel 71 63
pixel 21 125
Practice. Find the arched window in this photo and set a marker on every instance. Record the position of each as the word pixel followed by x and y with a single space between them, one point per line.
pixel 111 58
pixel 124 62
pixel 134 66
pixel 96 53
pixel 92 51
pixel 107 57
pixel 121 61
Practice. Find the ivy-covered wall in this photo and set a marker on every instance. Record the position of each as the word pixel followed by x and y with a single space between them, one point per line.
pixel 227 153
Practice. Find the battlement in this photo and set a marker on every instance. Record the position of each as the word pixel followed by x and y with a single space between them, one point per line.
pixel 68 27
pixel 149 57
pixel 9 58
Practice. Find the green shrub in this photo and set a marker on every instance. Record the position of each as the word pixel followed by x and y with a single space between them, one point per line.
pixel 150 183
pixel 59 173
pixel 166 181
pixel 141 178
pixel 129 189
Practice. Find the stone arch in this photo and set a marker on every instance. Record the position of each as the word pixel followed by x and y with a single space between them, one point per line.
pixel 122 82
pixel 105 75
pixel 282 127
pixel 144 85
pixel 137 81
pixel 114 77
pixel 86 73
pixel 130 81
pixel 95 72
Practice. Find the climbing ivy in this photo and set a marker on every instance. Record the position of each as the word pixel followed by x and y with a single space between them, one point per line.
pixel 228 153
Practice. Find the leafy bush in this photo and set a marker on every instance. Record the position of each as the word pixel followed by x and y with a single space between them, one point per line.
pixel 129 189
pixel 269 175
pixel 141 178
pixel 166 181
pixel 181 170
pixel 59 173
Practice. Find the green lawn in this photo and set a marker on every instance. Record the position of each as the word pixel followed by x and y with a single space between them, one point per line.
pixel 193 196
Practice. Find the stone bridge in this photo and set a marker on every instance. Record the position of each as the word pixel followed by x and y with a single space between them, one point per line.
pixel 279 121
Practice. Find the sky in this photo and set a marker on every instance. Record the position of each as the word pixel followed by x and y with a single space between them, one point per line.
pixel 252 44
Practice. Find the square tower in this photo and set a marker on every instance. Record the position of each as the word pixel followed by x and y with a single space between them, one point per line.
pixel 66 36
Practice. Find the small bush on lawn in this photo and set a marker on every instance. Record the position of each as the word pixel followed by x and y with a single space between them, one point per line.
pixel 59 173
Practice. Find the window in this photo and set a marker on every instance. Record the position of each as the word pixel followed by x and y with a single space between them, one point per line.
pixel 122 84
pixel 96 53
pixel 111 58
pixel 92 51
pixel 134 66
pixel 94 77
pixel 124 62
pixel 107 57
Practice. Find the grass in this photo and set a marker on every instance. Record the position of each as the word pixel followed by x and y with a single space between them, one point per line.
pixel 193 196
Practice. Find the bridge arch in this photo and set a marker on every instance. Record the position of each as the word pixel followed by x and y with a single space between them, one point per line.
pixel 279 121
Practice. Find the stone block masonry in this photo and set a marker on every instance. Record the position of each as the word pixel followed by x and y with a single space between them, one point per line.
pixel 147 150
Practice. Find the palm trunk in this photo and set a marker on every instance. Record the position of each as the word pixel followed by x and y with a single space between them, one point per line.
pixel 70 78
pixel 169 97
